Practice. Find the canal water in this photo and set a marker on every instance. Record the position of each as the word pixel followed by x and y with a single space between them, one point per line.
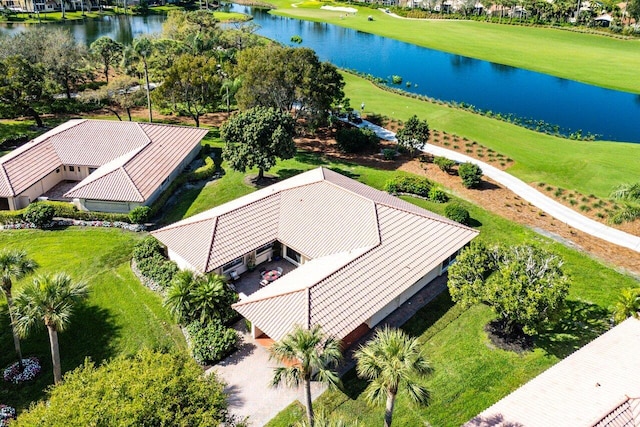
pixel 573 106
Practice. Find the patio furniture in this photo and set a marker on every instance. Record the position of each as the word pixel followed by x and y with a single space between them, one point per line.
pixel 264 283
pixel 262 271
pixel 279 270
pixel 271 275
pixel 234 275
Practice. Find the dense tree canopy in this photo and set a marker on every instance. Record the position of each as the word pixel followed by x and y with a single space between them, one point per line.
pixel 192 86
pixel 109 53
pixel 257 138
pixel 21 87
pixel 524 285
pixel 149 389
pixel 284 78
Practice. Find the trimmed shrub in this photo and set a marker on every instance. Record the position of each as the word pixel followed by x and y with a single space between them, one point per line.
pixel 356 140
pixel 409 184
pixel 139 215
pixel 389 153
pixel 146 248
pixel 11 217
pixel 39 214
pixel 457 213
pixel 438 196
pixel 445 165
pixel 211 342
pixel 158 268
pixel 471 175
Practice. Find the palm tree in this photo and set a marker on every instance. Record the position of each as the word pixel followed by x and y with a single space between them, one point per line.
pixel 390 360
pixel 230 87
pixel 140 51
pixel 309 355
pixel 14 265
pixel 628 305
pixel 210 298
pixel 48 300
pixel 178 298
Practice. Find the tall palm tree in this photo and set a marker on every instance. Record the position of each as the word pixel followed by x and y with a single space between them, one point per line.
pixel 139 52
pixel 628 305
pixel 48 300
pixel 308 354
pixel 14 265
pixel 390 360
pixel 230 87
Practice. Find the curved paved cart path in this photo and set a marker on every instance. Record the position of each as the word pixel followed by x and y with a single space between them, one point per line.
pixel 528 193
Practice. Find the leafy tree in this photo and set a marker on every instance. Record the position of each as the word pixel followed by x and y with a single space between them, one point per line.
pixel 21 87
pixel 284 77
pixel 309 355
pixel 633 9
pixel 48 301
pixel 64 60
pixel 192 86
pixel 524 285
pixel 148 389
pixel 196 29
pixel 193 297
pixel 471 174
pixel 257 137
pixel 628 305
pixel 414 134
pixel 121 92
pixel 109 51
pixel 392 360
pixel 14 265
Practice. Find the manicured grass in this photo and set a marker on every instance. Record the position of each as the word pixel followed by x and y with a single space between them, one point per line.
pixel 470 374
pixel 120 317
pixel 561 53
pixel 591 167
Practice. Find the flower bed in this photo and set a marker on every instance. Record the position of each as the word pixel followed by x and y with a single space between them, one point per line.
pixel 31 369
pixel 75 222
pixel 7 413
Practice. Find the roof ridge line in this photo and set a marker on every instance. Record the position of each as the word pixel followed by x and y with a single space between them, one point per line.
pixel 213 236
pixel 130 181
pixel 436 218
pixel 270 297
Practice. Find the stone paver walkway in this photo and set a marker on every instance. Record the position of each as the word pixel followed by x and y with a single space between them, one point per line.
pixel 528 193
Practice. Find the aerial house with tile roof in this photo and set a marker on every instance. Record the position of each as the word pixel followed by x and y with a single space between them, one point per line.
pixel 358 252
pixel 108 166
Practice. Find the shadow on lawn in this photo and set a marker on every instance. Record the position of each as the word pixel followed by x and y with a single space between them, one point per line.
pixel 91 334
pixel 580 322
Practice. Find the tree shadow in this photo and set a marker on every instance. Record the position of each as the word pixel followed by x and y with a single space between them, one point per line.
pixel 352 385
pixel 474 223
pixel 288 173
pixel 346 173
pixel 90 334
pixel 580 322
pixel 492 420
pixel 310 158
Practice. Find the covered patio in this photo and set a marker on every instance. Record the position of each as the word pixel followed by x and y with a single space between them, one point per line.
pixel 249 281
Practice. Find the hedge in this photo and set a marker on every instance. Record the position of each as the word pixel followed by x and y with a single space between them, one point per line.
pixel 409 184
pixel 64 210
pixel 211 342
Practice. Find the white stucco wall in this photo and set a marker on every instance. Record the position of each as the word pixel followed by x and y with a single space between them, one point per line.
pixel 40 187
pixel 173 175
pixel 403 297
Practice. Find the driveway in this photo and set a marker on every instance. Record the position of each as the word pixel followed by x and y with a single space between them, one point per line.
pixel 528 193
pixel 247 374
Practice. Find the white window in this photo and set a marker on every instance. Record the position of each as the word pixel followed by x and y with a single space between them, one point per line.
pixel 450 260
pixel 293 256
pixel 263 249
pixel 233 264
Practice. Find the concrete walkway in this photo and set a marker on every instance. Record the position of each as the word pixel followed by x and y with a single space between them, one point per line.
pixel 247 373
pixel 528 193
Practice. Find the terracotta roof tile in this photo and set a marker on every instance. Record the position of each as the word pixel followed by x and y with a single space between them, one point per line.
pixel 192 242
pixel 366 248
pixel 579 390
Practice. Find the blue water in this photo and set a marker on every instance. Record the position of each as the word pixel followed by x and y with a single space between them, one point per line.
pixel 612 115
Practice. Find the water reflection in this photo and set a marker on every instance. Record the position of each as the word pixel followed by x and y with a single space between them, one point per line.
pixel 489 86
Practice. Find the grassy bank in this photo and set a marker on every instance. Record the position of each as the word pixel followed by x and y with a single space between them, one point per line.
pixel 120 317
pixel 587 166
pixel 561 53
pixel 469 373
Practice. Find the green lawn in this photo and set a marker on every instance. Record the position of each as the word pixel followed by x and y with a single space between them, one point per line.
pixel 561 53
pixel 469 373
pixel 120 317
pixel 591 167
